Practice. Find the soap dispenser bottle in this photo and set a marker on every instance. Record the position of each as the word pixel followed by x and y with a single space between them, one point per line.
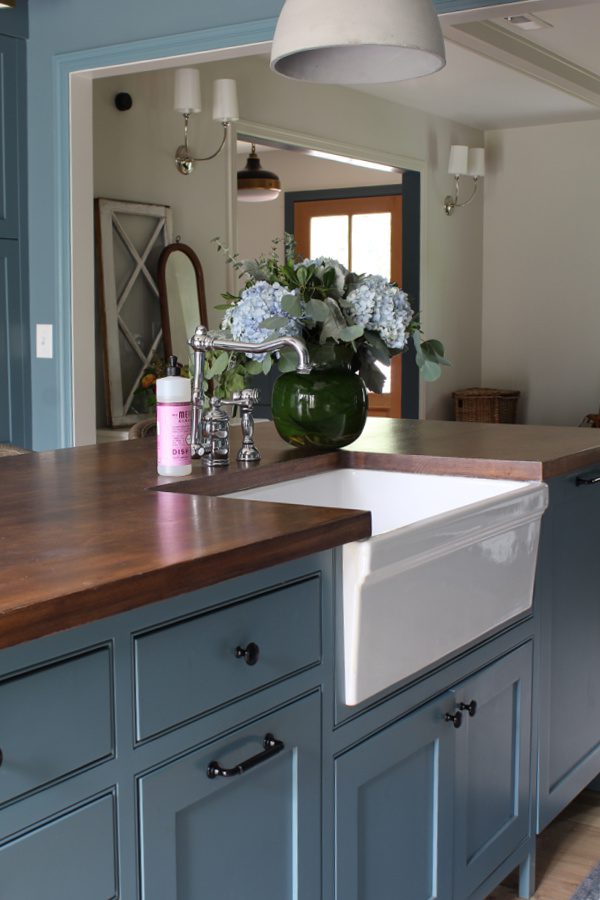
pixel 173 421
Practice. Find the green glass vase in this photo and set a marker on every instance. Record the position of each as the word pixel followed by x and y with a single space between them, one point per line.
pixel 326 409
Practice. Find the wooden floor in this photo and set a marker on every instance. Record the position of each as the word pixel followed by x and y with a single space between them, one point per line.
pixel 566 852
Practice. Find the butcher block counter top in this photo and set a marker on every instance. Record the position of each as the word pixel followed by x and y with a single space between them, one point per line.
pixel 93 531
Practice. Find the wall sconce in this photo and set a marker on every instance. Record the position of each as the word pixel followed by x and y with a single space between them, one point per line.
pixel 188 101
pixel 255 184
pixel 8 4
pixel 464 161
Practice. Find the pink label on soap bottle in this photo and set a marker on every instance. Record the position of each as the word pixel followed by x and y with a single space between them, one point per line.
pixel 173 430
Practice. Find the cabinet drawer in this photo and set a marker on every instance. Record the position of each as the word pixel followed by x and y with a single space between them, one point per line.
pixel 54 721
pixel 70 858
pixel 185 669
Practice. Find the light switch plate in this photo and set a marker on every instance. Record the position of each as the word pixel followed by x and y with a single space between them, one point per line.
pixel 43 341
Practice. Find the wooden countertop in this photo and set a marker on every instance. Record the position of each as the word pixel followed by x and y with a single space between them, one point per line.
pixel 92 531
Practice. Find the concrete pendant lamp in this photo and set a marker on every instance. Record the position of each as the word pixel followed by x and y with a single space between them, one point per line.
pixel 354 42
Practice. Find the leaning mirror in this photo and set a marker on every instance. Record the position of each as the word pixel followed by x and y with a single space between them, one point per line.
pixel 182 297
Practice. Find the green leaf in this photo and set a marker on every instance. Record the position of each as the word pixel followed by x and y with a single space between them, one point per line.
pixel 317 310
pixel 303 273
pixel 430 371
pixel 266 365
pixel 372 376
pixel 351 332
pixel 253 367
pixel 291 305
pixel 378 347
pixel 274 322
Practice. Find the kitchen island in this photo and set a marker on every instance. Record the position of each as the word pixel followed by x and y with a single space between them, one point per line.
pixel 131 664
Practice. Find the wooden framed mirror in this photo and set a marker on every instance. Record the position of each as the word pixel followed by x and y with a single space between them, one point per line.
pixel 182 298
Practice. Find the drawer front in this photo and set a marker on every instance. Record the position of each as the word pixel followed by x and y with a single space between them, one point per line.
pixel 186 669
pixel 55 721
pixel 70 858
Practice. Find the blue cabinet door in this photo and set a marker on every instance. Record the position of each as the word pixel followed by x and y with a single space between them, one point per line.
pixel 493 764
pixel 393 809
pixel 568 603
pixel 253 835
pixel 71 857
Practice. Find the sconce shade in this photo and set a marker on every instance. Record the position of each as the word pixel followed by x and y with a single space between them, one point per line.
pixel 225 101
pixel 353 42
pixel 187 91
pixel 459 160
pixel 255 184
pixel 476 162
pixel 9 4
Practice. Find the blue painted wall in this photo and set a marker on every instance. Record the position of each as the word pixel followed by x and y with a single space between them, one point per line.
pixel 69 26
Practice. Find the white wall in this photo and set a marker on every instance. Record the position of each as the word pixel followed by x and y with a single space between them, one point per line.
pixel 541 298
pixel 133 160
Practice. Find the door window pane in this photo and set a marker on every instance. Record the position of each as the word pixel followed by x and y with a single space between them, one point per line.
pixel 372 244
pixel 329 237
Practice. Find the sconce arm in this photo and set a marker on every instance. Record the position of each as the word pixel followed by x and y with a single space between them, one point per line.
pixel 451 203
pixel 183 157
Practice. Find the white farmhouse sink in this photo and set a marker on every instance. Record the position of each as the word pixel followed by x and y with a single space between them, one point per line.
pixel 450 559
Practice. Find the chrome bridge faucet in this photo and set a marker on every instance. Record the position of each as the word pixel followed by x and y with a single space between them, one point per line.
pixel 210 430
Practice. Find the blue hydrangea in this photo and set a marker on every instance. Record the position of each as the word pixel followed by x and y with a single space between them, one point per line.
pixel 325 262
pixel 258 302
pixel 379 306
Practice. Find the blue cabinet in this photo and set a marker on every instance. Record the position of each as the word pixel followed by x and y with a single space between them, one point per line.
pixel 439 800
pixel 138 791
pixel 250 834
pixel 568 606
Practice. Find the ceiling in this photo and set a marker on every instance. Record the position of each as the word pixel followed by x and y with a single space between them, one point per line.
pixel 501 76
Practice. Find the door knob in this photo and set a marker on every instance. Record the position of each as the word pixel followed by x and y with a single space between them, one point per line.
pixel 471 707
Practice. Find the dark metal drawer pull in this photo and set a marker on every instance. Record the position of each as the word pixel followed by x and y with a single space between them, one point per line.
pixel 581 481
pixel 249 654
pixel 471 707
pixel 455 718
pixel 272 747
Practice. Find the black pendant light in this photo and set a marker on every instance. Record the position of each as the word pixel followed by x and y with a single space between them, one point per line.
pixel 255 184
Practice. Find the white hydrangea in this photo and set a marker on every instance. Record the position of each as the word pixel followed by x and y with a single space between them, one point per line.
pixel 258 302
pixel 379 306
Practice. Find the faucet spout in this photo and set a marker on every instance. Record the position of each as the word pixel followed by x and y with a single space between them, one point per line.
pixel 202 340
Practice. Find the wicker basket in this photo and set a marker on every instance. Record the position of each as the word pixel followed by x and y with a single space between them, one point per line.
pixel 485 405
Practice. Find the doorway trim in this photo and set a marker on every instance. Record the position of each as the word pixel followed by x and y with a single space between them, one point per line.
pixel 73 76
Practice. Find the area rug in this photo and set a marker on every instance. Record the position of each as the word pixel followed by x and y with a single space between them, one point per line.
pixel 589 889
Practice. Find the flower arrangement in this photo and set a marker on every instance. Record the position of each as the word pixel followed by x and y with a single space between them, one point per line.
pixel 344 318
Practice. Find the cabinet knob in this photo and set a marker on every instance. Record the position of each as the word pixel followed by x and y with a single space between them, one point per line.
pixel 471 707
pixel 249 654
pixel 455 718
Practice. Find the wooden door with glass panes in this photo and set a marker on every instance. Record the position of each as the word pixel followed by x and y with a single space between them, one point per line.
pixel 365 235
